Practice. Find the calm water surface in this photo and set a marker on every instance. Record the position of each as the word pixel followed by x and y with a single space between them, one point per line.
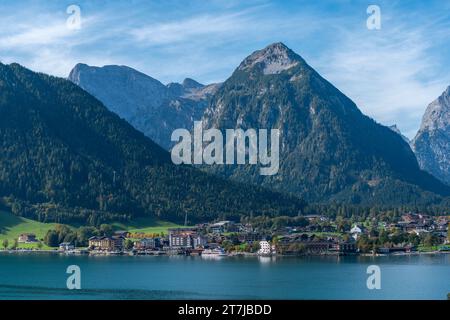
pixel 28 276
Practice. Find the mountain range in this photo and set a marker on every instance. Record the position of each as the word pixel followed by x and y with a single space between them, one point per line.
pixel 150 106
pixel 330 151
pixel 65 157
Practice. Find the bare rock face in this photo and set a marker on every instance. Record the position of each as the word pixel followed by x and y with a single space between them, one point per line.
pixel 329 150
pixel 274 59
pixel 66 158
pixel 150 106
pixel 432 143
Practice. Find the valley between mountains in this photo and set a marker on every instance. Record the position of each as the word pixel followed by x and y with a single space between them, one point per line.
pixel 94 148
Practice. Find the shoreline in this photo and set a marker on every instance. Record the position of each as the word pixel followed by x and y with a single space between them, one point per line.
pixel 232 255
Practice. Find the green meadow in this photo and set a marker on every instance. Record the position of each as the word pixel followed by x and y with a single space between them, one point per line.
pixel 146 225
pixel 12 226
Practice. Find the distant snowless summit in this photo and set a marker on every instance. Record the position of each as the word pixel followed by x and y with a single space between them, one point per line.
pixel 432 142
pixel 150 106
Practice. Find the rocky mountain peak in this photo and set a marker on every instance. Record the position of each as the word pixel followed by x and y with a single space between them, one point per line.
pixel 189 83
pixel 329 148
pixel 432 143
pixel 273 59
pixel 437 114
pixel 74 74
pixel 109 84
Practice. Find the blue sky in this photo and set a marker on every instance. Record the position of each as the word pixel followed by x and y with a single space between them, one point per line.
pixel 391 73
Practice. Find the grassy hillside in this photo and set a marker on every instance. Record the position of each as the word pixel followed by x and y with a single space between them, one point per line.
pixel 146 225
pixel 12 226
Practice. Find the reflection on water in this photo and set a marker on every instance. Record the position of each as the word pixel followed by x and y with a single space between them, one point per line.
pixel 212 257
pixel 266 260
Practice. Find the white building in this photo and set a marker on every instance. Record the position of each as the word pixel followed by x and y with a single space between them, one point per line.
pixel 355 232
pixel 264 248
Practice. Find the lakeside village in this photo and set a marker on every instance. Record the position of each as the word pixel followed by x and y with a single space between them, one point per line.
pixel 302 235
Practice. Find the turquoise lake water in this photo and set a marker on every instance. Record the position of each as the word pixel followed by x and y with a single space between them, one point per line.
pixel 28 276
